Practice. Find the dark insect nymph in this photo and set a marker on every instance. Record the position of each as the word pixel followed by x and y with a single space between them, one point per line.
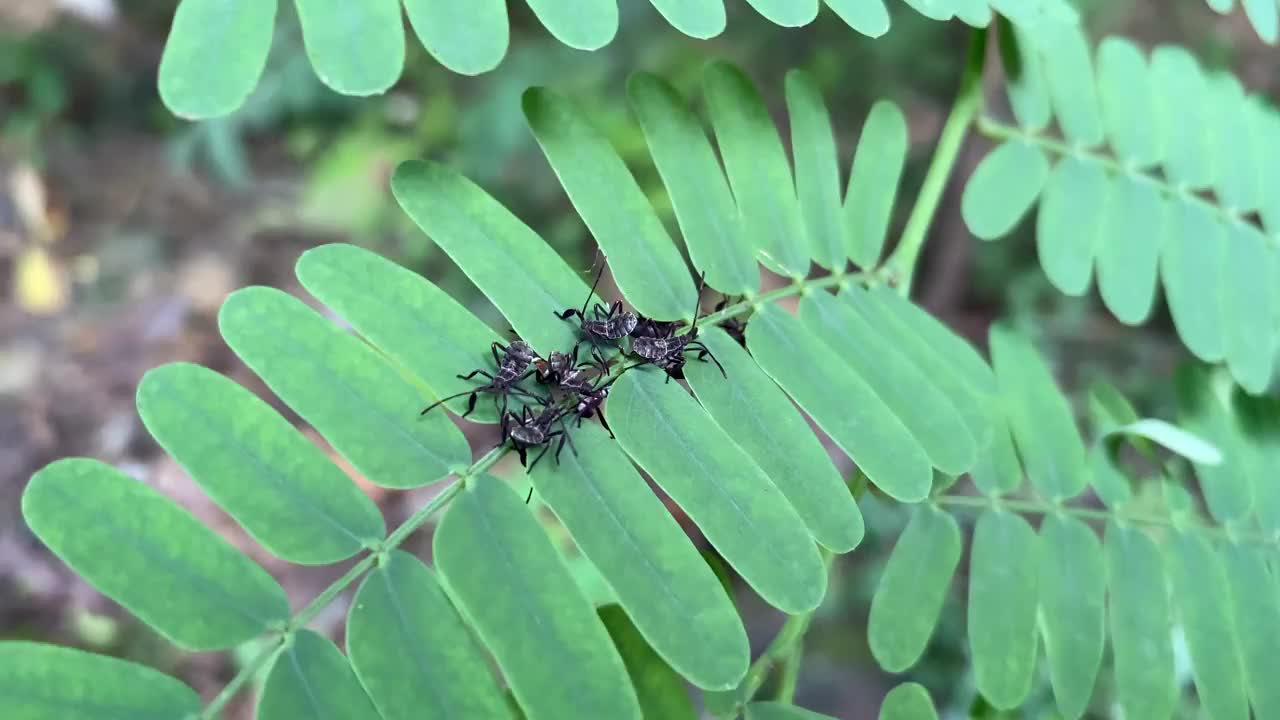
pixel 513 366
pixel 528 430
pixel 609 325
pixel 660 345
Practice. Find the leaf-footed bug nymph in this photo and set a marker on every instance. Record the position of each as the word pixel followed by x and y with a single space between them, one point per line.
pixel 513 366
pixel 660 345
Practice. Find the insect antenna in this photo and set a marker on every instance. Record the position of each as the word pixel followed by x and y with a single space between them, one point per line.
pixel 444 400
pixel 697 302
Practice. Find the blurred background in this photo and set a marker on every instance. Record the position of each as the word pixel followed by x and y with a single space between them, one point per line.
pixel 122 228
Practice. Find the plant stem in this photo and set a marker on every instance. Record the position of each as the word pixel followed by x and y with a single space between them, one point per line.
pixel 790 673
pixel 261 660
pixel 900 267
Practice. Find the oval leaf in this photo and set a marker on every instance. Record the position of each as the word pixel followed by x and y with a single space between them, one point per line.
pixel 138 548
pixel 1002 188
pixel 256 466
pixel 1072 588
pixel 645 557
pixel 1263 15
pixel 787 13
pixel 214 55
pixel 1068 71
pixel 908 600
pixel 468 38
pixel 873 181
pixel 362 406
pixel 869 17
pixel 1256 616
pixel 580 24
pixel 1073 215
pixel 739 510
pixel 411 651
pixel 1172 438
pixel 908 701
pixel 1193 264
pixel 312 679
pixel 513 588
pixel 695 18
pixel 1139 615
pixel 1124 89
pixel 1181 100
pixel 661 691
pixel 367 67
pixel 817 174
pixel 1128 247
pixel 1003 577
pixel 1249 306
pixel 1226 486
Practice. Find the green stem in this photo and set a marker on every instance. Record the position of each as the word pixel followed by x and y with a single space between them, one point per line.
pixel 261 660
pixel 900 267
pixel 790 673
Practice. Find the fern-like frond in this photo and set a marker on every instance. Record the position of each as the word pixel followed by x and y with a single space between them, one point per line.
pixel 1159 179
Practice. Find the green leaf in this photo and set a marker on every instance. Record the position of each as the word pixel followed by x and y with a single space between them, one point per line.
pixel 697 187
pixel 1193 264
pixel 780 711
pixel 695 18
pixel 997 470
pixel 1236 174
pixel 1124 89
pixel 1002 188
pixel 975 13
pixel 1226 487
pixel 868 17
pixel 488 242
pixel 367 67
pixel 256 466
pixel 763 422
pixel 1128 247
pixel 963 358
pixel 362 406
pixel 1256 451
pixel 214 55
pixel 1249 306
pixel 580 24
pixel 312 679
pixel 740 511
pixel 928 415
pixel 1028 92
pixel 817 174
pixel 1172 438
pixel 1139 624
pixel 908 599
pixel 645 263
pixel 46 682
pixel 468 38
pixel 1040 418
pixel 138 548
pixel 1072 219
pixel 411 651
pixel 757 167
pixel 1003 572
pixel 908 701
pixel 1222 6
pixel 1072 588
pixel 1067 63
pixel 661 691
pixel 841 403
pixel 514 590
pixel 1256 617
pixel 1181 98
pixel 1262 13
pixel 645 557
pixel 417 324
pixel 1204 604
pixel 873 182
pixel 787 13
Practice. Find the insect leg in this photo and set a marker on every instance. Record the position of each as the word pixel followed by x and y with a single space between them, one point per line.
pixel 545 448
pixel 705 352
pixel 474 373
pixel 605 423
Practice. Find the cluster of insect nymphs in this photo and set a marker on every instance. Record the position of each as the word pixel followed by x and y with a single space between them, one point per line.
pixel 570 390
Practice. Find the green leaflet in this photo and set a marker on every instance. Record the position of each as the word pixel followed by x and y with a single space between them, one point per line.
pixel 1248 303
pixel 417 324
pixel 1003 572
pixel 1203 599
pixel 1002 188
pixel 141 550
pixel 757 167
pixel 256 466
pixel 661 692
pixel 1139 624
pixel 1067 63
pixel 873 182
pixel 780 711
pixel 46 682
pixel 1073 217
pixel 1040 418
pixel 343 388
pixel 908 599
pixel 468 38
pixel 695 18
pixel 1072 588
pixel 1232 138
pixel 1193 263
pixel 997 470
pixel 788 13
pixel 487 241
pixel 1025 85
pixel 1109 412
pixel 1181 105
pixel 922 408
pixel 763 422
pixel 1256 430
pixel 963 358
pixel 411 651
pixel 697 187
pixel 367 67
pixel 1172 438
pixel 1262 13
pixel 869 17
pixel 817 175
pixel 908 701
pixel 580 24
pixel 975 13
pixel 645 263
pixel 1256 616
pixel 514 590
pixel 214 55
pixel 312 679
pixel 1227 487
pixel 1124 89
pixel 738 508
pixel 1222 6
pixel 1129 245
pixel 842 404
pixel 645 557
pixel 932 9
